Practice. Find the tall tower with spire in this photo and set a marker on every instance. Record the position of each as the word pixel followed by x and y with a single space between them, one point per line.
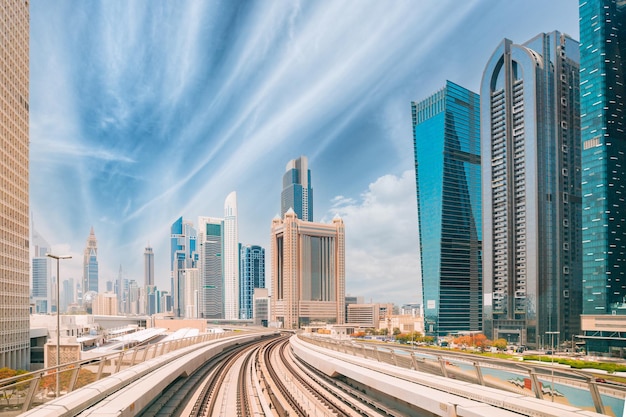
pixel 90 264
pixel 148 268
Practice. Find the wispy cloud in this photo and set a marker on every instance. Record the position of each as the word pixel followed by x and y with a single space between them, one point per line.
pixel 382 256
pixel 145 111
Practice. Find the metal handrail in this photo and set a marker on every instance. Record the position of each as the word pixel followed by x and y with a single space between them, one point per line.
pixel 34 388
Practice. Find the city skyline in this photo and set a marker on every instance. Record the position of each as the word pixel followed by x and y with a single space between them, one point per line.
pixel 141 115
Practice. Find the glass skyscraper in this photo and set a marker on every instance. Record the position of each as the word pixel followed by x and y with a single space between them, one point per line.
pixel 183 256
pixel 297 193
pixel 90 264
pixel 252 273
pixel 41 289
pixel 211 248
pixel 603 136
pixel 446 137
pixel 530 149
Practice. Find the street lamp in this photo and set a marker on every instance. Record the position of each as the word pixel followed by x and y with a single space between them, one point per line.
pixel 552 386
pixel 57 257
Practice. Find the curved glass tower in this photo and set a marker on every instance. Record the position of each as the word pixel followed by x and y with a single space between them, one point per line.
pixel 446 129
pixel 530 147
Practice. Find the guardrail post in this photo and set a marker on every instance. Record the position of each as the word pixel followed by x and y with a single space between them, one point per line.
pixel 536 385
pixel 377 353
pixel 119 362
pixel 414 361
pixel 393 357
pixel 595 395
pixel 73 379
pixel 100 368
pixel 132 360
pixel 28 401
pixel 479 373
pixel 442 365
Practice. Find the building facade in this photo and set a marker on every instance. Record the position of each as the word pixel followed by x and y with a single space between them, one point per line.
pixel 90 264
pixel 308 272
pixel 603 136
pixel 446 138
pixel 105 304
pixel 14 149
pixel 231 258
pixel 183 255
pixel 261 306
pixel 211 267
pixel 530 148
pixel 252 273
pixel 148 267
pixel 368 315
pixel 41 289
pixel 297 192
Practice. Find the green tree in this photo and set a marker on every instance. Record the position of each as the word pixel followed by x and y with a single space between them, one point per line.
pixel 499 344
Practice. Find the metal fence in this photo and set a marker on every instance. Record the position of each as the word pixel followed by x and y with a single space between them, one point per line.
pixel 439 365
pixel 23 392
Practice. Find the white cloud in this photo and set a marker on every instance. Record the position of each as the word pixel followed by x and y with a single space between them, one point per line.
pixel 382 255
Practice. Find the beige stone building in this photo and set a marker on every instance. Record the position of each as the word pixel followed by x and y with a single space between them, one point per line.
pixel 368 315
pixel 308 272
pixel 105 304
pixel 14 210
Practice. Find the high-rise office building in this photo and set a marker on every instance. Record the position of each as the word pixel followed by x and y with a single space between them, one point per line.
pixel 211 267
pixel 231 258
pixel 308 272
pixel 183 255
pixel 603 137
pixel 530 149
pixel 41 290
pixel 446 138
pixel 14 144
pixel 68 291
pixel 297 192
pixel 90 264
pixel 252 274
pixel 148 267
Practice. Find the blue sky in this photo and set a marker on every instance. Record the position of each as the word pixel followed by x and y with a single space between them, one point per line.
pixel 143 111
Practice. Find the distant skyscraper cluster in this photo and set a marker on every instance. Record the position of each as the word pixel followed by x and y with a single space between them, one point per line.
pixel 208 272
pixel 552 169
pixel 14 149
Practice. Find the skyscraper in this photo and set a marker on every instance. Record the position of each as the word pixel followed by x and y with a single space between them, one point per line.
pixel 446 138
pixel 603 127
pixel 42 276
pixel 14 141
pixel 308 272
pixel 231 258
pixel 90 264
pixel 530 149
pixel 148 267
pixel 252 274
pixel 297 193
pixel 211 267
pixel 183 255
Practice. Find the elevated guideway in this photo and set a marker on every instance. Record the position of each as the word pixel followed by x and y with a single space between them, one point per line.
pixel 436 395
pixel 131 390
